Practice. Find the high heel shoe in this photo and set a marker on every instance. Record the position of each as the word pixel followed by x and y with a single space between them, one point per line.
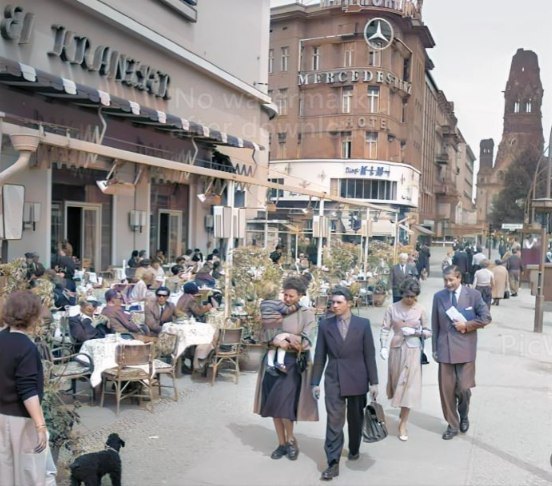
pixel 403 433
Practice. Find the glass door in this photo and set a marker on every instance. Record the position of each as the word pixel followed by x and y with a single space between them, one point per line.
pixel 169 234
pixel 83 231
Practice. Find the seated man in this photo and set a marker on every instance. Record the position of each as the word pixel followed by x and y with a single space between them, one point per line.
pixel 159 311
pixel 119 320
pixel 81 326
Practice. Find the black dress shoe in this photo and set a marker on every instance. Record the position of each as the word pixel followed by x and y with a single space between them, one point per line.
pixel 330 473
pixel 292 449
pixel 449 434
pixel 464 425
pixel 353 457
pixel 279 452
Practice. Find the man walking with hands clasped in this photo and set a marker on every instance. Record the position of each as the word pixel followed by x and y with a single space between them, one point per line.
pixel 345 346
pixel 458 312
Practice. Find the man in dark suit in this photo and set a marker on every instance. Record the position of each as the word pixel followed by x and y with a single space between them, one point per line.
pixel 346 344
pixel 454 346
pixel 399 273
pixel 461 260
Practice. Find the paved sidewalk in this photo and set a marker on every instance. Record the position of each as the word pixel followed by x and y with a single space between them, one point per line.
pixel 211 437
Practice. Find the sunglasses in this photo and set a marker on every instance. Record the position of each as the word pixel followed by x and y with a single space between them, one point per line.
pixel 162 295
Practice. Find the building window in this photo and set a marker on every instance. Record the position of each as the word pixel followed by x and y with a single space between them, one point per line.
pixel 374 58
pixel 276 193
pixel 270 60
pixel 301 105
pixel 375 189
pixel 315 58
pixel 516 107
pixel 186 8
pixel 403 111
pixel 348 50
pixel 347 99
pixel 528 107
pixel 282 101
pixel 285 59
pixel 373 99
pixel 406 69
pixel 372 145
pixel 282 138
pixel 239 198
pixel 346 145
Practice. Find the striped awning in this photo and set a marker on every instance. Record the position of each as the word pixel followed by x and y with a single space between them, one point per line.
pixel 16 74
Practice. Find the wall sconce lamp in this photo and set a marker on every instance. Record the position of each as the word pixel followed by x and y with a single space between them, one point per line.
pixel 137 220
pixel 31 215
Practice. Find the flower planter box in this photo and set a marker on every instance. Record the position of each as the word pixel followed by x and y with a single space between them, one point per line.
pixel 252 357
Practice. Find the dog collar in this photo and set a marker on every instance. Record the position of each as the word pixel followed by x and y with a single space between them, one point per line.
pixel 109 448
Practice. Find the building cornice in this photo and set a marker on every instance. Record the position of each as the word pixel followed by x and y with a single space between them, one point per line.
pixel 123 22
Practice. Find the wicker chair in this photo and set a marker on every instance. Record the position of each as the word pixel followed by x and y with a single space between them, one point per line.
pixel 131 360
pixel 166 352
pixel 73 367
pixel 228 349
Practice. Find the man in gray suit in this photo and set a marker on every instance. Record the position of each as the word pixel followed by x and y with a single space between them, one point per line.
pixel 454 346
pixel 346 344
pixel 399 273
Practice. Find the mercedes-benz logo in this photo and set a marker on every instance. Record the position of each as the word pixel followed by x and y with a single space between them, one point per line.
pixel 378 33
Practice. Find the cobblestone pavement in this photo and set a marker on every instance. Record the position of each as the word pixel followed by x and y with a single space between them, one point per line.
pixel 211 437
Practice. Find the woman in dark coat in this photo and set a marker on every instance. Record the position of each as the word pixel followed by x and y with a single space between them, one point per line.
pixel 287 397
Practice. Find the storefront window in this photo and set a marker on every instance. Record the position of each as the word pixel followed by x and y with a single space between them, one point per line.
pixel 368 189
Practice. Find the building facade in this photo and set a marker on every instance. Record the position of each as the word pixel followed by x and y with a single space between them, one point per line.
pixel 136 109
pixel 359 114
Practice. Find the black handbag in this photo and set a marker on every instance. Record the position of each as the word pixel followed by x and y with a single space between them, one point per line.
pixel 302 361
pixel 373 426
pixel 506 294
pixel 423 357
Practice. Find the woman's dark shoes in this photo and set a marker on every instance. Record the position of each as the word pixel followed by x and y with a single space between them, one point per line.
pixel 449 433
pixel 464 425
pixel 330 473
pixel 353 457
pixel 279 452
pixel 292 449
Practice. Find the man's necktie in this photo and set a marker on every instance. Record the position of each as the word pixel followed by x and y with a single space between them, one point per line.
pixel 453 299
pixel 342 328
pixel 403 268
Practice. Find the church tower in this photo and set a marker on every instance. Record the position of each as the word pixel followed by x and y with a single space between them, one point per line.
pixel 522 131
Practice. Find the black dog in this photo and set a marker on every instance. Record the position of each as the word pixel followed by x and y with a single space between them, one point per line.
pixel 90 468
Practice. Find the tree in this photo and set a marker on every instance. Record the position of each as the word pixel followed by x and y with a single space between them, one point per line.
pixel 518 180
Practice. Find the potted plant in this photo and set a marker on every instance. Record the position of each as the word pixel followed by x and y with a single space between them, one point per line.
pixel 252 269
pixel 60 419
pixel 379 294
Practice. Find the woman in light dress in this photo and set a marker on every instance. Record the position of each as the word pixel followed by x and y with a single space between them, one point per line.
pixel 408 321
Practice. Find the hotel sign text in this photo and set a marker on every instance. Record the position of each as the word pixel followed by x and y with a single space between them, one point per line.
pixel 355 76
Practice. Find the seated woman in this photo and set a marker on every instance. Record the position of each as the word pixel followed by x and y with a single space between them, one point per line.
pixel 190 304
pixel 141 290
pixel 203 277
pixel 81 326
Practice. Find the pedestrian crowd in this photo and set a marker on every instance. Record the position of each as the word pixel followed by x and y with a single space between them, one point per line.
pixel 345 355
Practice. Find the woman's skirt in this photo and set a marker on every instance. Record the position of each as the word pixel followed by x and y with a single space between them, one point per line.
pixel 404 383
pixel 280 394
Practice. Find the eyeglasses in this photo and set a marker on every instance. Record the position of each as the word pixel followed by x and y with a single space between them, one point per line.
pixel 162 295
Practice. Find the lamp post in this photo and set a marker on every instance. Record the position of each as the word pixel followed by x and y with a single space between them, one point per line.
pixel 545 204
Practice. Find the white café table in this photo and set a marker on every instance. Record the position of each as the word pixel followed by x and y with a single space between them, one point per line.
pixel 190 333
pixel 102 352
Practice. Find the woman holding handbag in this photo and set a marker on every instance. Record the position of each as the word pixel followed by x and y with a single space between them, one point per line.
pixel 408 321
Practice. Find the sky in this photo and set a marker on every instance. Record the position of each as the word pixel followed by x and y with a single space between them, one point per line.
pixel 475 42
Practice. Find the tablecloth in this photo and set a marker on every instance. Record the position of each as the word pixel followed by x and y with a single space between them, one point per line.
pixel 190 333
pixel 102 352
